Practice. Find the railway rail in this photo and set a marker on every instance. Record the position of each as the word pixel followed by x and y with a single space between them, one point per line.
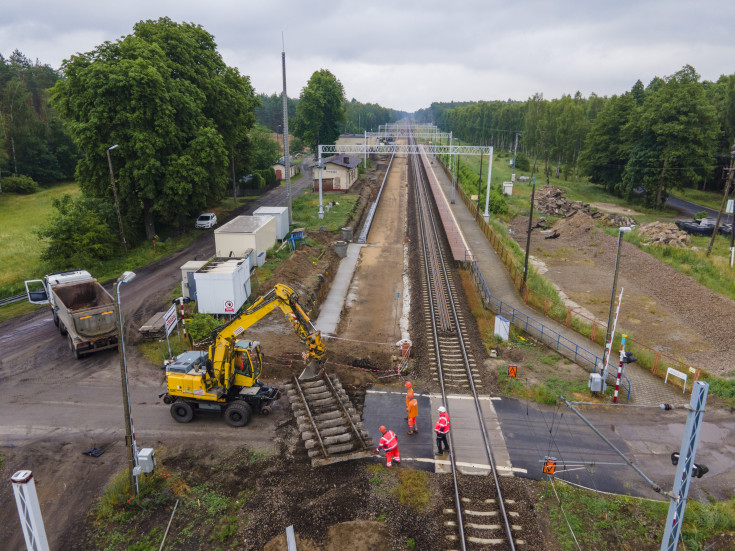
pixel 329 424
pixel 477 523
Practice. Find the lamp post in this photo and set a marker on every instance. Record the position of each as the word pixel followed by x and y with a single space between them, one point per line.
pixel 126 277
pixel 608 345
pixel 114 194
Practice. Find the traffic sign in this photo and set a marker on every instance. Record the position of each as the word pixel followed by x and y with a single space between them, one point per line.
pixel 512 370
pixel 229 307
pixel 549 465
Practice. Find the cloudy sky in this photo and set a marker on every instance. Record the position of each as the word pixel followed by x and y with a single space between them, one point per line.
pixel 406 54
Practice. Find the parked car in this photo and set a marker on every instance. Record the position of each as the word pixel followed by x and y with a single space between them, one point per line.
pixel 524 179
pixel 206 220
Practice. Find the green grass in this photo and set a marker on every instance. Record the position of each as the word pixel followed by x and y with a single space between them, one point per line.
pixel 606 523
pixel 20 217
pixel 711 199
pixel 306 210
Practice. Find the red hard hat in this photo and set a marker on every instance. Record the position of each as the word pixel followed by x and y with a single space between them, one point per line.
pixel 408 384
pixel 382 428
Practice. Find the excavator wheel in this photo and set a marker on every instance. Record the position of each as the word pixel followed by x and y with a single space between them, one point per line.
pixel 265 410
pixel 237 414
pixel 182 412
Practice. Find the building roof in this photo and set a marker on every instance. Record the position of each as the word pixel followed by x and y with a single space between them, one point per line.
pixel 347 161
pixel 244 224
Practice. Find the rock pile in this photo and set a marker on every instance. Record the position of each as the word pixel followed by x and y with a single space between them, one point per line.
pixel 661 233
pixel 551 200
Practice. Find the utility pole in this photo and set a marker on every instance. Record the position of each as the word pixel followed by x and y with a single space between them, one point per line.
pixel 286 156
pixel 114 194
pixel 528 237
pixel 515 150
pixel 684 467
pixel 724 199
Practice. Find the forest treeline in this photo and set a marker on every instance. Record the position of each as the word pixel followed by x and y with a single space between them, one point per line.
pixel 677 132
pixel 359 117
pixel 33 140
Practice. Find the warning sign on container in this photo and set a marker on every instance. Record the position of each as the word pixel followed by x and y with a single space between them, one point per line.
pixel 229 307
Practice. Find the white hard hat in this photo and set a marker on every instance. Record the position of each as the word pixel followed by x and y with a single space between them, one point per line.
pixel 442 409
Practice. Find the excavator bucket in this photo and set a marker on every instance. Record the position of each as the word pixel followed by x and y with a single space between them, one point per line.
pixel 313 369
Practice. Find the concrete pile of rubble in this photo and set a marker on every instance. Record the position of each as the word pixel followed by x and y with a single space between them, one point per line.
pixel 662 233
pixel 551 200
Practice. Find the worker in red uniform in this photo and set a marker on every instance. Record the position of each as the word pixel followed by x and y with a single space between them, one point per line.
pixel 413 411
pixel 389 443
pixel 441 429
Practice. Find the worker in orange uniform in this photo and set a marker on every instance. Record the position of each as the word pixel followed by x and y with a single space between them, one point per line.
pixel 389 443
pixel 442 429
pixel 409 395
pixel 413 411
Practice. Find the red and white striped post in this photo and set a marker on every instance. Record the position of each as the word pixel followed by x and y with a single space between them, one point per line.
pixel 620 368
pixel 183 321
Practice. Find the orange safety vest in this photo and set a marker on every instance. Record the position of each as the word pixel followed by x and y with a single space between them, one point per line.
pixel 409 396
pixel 442 424
pixel 413 408
pixel 389 441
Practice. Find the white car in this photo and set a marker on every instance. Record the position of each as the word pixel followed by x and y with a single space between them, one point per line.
pixel 206 220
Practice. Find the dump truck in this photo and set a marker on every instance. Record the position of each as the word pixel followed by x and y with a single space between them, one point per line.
pixel 81 308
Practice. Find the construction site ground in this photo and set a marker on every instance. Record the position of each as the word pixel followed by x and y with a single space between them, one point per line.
pixel 261 472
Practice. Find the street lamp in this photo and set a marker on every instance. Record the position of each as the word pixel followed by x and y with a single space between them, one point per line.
pixel 114 194
pixel 608 346
pixel 126 277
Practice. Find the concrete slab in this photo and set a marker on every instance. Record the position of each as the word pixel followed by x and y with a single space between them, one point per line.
pixel 383 406
pixel 332 308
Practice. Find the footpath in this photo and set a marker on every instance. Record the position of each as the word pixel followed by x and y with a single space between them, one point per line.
pixel 646 388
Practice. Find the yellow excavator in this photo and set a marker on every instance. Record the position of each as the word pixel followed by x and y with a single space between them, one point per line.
pixel 225 378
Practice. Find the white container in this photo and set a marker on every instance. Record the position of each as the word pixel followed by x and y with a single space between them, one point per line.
pixel 232 240
pixel 502 328
pixel 508 188
pixel 188 286
pixel 222 285
pixel 281 216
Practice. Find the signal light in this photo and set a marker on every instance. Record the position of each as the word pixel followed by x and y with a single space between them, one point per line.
pixel 629 358
pixel 698 471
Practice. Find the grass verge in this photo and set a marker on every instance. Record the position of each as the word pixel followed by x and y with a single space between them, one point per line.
pixel 588 520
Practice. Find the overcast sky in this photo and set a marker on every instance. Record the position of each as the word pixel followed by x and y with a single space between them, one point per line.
pixel 406 54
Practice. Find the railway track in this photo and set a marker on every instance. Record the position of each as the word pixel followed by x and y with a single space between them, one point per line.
pixel 474 522
pixel 329 424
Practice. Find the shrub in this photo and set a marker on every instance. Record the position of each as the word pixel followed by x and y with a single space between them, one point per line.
pixel 258 181
pixel 19 184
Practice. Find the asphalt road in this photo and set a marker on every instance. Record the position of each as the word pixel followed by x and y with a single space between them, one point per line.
pixel 687 209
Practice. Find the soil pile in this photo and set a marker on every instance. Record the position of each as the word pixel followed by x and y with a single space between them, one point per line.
pixel 661 233
pixel 551 200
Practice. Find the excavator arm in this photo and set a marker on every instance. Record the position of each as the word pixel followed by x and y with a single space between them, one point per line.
pixel 222 351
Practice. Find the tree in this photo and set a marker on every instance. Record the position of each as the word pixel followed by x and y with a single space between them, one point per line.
pixel 320 110
pixel 674 135
pixel 264 151
pixel 176 110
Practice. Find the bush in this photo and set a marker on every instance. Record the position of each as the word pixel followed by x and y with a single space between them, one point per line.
pixel 80 233
pixel 19 184
pixel 258 181
pixel 522 162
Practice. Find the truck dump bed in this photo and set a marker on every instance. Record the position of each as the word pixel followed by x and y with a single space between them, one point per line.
pixel 90 307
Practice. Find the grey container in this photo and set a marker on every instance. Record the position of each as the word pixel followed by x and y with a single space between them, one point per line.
pixel 340 247
pixel 347 234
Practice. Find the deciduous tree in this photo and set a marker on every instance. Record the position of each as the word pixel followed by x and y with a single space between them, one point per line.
pixel 320 109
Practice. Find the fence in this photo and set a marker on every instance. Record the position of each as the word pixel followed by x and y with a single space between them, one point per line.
pixel 570 317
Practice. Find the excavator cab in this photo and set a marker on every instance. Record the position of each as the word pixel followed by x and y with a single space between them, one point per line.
pixel 247 362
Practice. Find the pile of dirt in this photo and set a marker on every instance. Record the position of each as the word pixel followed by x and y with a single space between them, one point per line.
pixel 662 233
pixel 551 200
pixel 576 224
